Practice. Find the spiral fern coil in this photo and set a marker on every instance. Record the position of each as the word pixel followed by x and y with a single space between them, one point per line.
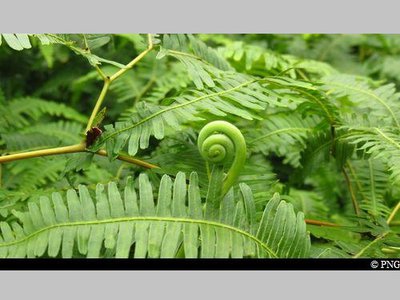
pixel 220 142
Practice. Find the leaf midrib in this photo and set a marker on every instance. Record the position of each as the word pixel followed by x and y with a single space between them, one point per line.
pixel 154 115
pixel 283 130
pixel 144 219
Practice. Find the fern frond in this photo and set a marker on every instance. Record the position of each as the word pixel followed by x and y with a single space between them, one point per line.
pixel 256 58
pixel 383 143
pixel 384 239
pixel 379 102
pixel 202 62
pixel 284 134
pixel 131 223
pixel 20 108
pixel 29 174
pixel 43 135
pixel 65 131
pixel 327 145
pixel 259 61
pixel 318 151
pixel 235 95
pixel 371 181
pixel 179 153
pixel 263 182
pixel 299 94
pixel 15 142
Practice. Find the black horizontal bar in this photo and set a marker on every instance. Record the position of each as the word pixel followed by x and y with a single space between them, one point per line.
pixel 200 264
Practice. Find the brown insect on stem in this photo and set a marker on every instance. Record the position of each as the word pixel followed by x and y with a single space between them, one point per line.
pixel 92 135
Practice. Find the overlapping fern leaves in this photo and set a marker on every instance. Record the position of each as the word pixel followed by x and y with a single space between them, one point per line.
pixel 284 134
pixel 326 141
pixel 237 95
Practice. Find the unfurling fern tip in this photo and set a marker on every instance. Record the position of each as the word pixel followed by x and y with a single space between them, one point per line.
pixel 220 142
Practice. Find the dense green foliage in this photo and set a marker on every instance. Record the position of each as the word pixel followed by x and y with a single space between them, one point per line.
pixel 310 137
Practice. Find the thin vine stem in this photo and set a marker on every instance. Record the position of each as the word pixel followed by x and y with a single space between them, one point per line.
pixel 393 213
pixel 351 190
pixel 131 160
pixel 131 64
pixel 109 79
pixel 44 152
pixel 320 223
pixel 72 149
pixel 99 102
pixel 381 236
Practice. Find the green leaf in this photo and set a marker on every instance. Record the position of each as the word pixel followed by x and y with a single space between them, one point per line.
pixel 112 225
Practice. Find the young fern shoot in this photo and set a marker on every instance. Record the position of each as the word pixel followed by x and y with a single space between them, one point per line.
pixel 220 143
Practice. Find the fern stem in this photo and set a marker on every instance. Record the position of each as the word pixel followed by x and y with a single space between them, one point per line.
pixel 393 213
pixel 131 160
pixel 101 73
pixel 390 140
pixel 133 62
pixel 355 178
pixel 352 194
pixel 320 223
pixel 148 85
pixel 175 53
pixel 71 149
pixel 43 152
pixel 370 244
pixel 99 101
pixel 372 185
pixel 109 80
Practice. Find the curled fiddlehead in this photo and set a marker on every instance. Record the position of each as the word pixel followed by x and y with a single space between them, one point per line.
pixel 220 143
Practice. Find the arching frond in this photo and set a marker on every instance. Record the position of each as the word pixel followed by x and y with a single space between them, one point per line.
pixel 133 224
pixel 381 102
pixel 383 143
pixel 294 94
pixel 237 95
